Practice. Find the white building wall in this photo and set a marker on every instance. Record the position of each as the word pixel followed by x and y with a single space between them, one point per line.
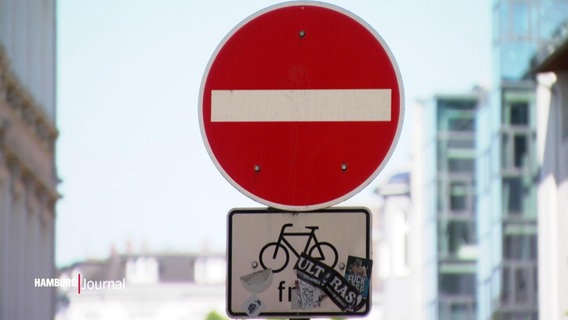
pixel 145 296
pixel 418 183
pixel 5 245
pixel 401 281
pixel 27 32
pixel 182 301
pixel 26 246
pixel 552 144
pixel 28 177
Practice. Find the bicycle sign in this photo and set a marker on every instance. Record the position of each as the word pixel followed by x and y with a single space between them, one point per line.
pixel 275 256
pixel 283 264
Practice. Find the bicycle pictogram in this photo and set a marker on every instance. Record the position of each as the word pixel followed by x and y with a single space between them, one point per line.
pixel 276 255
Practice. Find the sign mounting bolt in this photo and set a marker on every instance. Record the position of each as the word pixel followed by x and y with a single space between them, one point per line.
pixel 302 33
pixel 344 167
pixel 256 168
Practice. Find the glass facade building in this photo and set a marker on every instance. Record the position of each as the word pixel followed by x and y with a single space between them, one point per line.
pixel 450 219
pixel 507 170
pixel 520 28
pixel 506 197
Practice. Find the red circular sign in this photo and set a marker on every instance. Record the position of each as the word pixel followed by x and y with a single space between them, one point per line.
pixel 301 106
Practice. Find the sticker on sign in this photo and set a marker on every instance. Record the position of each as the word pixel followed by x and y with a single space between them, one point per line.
pixel 303 264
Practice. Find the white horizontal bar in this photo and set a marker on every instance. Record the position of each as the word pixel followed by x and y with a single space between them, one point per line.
pixel 300 105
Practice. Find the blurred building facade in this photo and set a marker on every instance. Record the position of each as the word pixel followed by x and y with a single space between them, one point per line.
pixel 552 145
pixel 478 172
pixel 507 167
pixel 445 176
pixel 146 286
pixel 28 177
pixel 398 251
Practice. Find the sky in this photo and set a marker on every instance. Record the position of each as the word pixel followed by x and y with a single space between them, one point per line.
pixel 135 174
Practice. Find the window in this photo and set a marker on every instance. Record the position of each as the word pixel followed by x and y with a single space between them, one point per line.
pixel 462 311
pixel 519 113
pixel 513 193
pixel 520 149
pixel 516 149
pixel 456 308
pixel 457 284
pixel 506 291
pixel 519 285
pixel 461 124
pixel 458 196
pixel 505 151
pixel 520 19
pixel 520 247
pixel 519 197
pixel 459 233
pixel 461 165
pixel 461 143
pixel 522 284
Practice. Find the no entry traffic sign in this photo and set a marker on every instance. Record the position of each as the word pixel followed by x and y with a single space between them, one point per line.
pixel 301 106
